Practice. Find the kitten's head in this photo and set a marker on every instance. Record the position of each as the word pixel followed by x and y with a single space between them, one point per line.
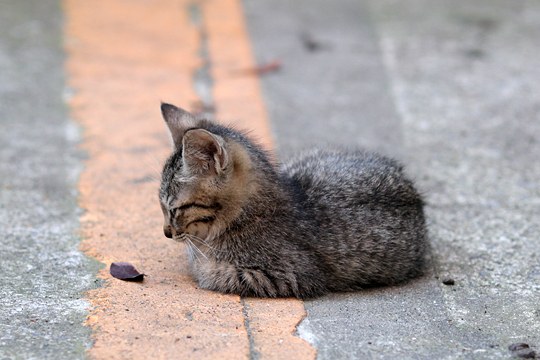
pixel 207 179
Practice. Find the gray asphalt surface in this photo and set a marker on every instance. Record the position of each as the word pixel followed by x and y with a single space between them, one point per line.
pixel 42 273
pixel 451 88
pixel 332 88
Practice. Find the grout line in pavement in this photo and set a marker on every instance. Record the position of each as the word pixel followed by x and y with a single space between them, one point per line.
pixel 271 323
pixel 203 85
pixel 253 353
pixel 202 79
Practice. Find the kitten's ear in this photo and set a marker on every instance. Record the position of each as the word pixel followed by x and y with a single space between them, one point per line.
pixel 204 151
pixel 178 120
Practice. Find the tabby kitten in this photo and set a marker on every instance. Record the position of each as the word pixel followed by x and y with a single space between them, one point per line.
pixel 326 221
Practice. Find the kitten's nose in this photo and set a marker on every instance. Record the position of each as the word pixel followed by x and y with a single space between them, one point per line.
pixel 167 231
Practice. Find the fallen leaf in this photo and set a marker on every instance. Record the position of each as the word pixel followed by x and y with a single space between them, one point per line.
pixel 518 346
pixel 522 350
pixel 125 271
pixel 263 69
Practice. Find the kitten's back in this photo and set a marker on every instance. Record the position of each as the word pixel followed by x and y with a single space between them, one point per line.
pixel 370 217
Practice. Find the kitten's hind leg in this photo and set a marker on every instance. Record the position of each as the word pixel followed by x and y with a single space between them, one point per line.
pixel 228 278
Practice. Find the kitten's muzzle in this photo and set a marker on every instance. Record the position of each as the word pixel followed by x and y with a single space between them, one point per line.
pixel 168 232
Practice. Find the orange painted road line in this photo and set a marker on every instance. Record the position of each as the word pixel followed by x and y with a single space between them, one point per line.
pixel 124 57
pixel 272 322
pixel 238 97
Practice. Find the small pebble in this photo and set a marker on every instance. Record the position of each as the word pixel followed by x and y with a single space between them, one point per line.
pixel 522 350
pixel 518 346
pixel 526 354
pixel 448 281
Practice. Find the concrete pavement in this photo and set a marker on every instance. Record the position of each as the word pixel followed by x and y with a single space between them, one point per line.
pixel 448 87
pixel 42 272
pixel 451 89
pixel 112 60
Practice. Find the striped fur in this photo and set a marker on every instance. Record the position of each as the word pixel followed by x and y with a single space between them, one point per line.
pixel 326 221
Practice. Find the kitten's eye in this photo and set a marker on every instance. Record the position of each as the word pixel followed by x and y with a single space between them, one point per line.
pixel 206 219
pixel 203 220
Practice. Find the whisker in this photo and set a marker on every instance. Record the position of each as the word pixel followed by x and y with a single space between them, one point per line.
pixel 191 252
pixel 202 241
pixel 196 248
pixel 179 238
pixel 188 249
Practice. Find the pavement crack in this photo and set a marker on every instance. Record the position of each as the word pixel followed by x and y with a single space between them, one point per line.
pixel 203 82
pixel 253 353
